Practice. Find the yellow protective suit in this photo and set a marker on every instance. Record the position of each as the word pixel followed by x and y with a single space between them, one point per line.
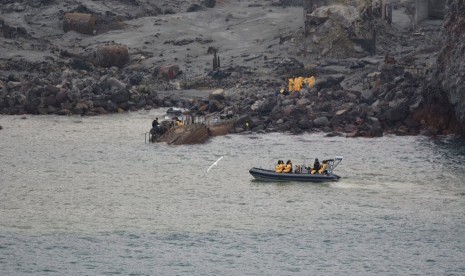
pixel 298 82
pixel 291 85
pixel 323 168
pixel 288 168
pixel 280 168
pixel 310 81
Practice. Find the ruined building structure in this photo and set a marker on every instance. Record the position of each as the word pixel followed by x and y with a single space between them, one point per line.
pixel 425 9
pixel 422 9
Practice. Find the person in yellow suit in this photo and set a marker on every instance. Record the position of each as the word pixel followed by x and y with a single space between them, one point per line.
pixel 310 81
pixel 280 166
pixel 298 82
pixel 178 122
pixel 323 167
pixel 316 166
pixel 291 85
pixel 288 167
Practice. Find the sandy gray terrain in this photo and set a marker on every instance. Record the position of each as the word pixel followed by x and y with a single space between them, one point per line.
pixel 239 31
pixel 246 33
pixel 261 44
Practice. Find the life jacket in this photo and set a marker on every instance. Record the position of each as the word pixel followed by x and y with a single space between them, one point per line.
pixel 323 168
pixel 298 84
pixel 288 168
pixel 291 85
pixel 310 81
pixel 280 168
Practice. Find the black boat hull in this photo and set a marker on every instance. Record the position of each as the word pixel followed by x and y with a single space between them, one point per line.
pixel 269 175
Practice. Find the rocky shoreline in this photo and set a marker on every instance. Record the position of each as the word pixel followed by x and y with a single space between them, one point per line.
pixel 360 94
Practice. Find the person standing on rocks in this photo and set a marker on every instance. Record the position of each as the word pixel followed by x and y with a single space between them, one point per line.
pixel 291 85
pixel 155 123
pixel 178 122
pixel 156 127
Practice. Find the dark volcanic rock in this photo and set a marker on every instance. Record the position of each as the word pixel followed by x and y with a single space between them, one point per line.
pixel 451 60
pixel 47 71
pixel 209 3
pixel 194 8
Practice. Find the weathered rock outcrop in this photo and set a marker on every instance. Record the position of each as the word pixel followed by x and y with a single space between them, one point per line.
pixel 359 91
pixel 450 75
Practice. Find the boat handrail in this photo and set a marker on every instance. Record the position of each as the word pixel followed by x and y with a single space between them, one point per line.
pixel 149 134
pixel 334 163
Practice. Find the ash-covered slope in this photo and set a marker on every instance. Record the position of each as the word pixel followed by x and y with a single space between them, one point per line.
pixel 45 69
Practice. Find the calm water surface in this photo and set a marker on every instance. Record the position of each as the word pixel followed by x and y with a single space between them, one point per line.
pixel 87 196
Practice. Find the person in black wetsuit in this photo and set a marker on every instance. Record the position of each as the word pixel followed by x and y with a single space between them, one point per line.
pixel 155 123
pixel 156 127
pixel 316 166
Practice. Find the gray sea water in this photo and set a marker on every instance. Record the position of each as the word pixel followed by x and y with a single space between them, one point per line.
pixel 87 196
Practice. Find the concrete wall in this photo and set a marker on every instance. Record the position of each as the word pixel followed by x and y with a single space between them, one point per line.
pixel 437 8
pixel 425 9
pixel 421 10
pixel 309 4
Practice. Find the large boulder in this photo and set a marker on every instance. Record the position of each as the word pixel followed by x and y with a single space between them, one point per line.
pixel 267 105
pixel 328 81
pixel 120 96
pixel 304 123
pixel 321 121
pixel 395 114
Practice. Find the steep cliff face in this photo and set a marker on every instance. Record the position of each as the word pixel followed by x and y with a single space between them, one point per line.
pixel 450 74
